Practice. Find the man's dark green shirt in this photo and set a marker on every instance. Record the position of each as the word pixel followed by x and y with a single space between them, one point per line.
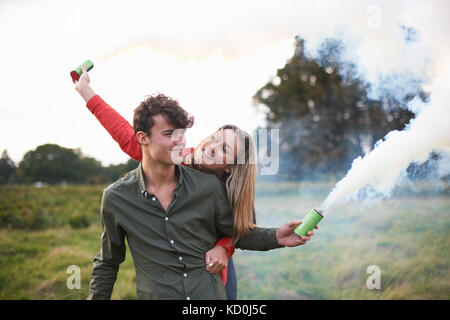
pixel 168 248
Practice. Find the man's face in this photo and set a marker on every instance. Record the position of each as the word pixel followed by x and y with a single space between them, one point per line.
pixel 166 143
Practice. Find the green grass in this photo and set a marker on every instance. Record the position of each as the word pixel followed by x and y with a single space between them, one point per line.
pixel 45 230
pixel 406 237
pixel 30 208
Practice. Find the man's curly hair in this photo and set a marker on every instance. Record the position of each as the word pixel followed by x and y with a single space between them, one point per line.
pixel 160 104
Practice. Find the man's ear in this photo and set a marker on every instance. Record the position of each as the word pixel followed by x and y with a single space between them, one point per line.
pixel 142 138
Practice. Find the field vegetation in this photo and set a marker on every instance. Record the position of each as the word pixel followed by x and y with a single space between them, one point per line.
pixel 45 230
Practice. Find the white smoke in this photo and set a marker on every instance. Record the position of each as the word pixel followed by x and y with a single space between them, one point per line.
pixel 378 172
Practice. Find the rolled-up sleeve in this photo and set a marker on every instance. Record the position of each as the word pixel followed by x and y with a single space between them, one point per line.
pixel 111 254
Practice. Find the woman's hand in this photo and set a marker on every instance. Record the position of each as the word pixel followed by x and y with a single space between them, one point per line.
pixel 288 238
pixel 82 85
pixel 83 80
pixel 216 259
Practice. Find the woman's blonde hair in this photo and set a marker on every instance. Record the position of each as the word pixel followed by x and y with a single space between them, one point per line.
pixel 240 183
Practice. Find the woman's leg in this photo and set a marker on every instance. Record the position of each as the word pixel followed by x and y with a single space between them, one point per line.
pixel 231 285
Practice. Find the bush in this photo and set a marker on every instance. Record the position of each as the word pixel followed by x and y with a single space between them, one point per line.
pixel 30 208
pixel 79 221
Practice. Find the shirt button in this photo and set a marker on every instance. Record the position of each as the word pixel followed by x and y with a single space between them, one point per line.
pixel 166 218
pixel 171 241
pixel 180 258
pixel 185 275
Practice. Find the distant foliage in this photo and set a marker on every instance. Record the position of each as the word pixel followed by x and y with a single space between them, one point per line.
pixel 79 221
pixel 52 164
pixel 324 113
pixel 31 208
pixel 7 168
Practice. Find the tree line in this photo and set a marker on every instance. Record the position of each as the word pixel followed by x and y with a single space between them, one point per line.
pixel 51 164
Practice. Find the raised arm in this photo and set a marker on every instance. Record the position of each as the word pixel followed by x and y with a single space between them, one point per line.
pixel 116 125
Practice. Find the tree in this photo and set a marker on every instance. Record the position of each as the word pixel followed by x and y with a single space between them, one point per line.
pixel 115 172
pixel 7 168
pixel 324 112
pixel 54 164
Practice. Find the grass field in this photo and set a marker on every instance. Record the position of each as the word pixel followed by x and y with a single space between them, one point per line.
pixel 45 230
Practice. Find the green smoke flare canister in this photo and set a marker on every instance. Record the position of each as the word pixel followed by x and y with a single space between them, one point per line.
pixel 76 74
pixel 309 222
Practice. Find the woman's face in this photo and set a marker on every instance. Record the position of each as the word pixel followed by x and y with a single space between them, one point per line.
pixel 218 152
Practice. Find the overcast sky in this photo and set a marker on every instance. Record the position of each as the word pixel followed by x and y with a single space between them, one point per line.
pixel 210 55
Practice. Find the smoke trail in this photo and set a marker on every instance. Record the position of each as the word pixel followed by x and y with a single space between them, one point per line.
pixel 378 172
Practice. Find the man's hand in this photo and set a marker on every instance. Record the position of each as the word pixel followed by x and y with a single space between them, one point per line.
pixel 288 238
pixel 82 85
pixel 216 259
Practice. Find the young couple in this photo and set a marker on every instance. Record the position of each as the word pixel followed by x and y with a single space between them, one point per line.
pixel 182 221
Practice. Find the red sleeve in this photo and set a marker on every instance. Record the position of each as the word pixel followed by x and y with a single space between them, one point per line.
pixel 187 151
pixel 116 125
pixel 228 245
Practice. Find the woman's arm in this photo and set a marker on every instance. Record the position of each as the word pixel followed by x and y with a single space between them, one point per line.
pixel 82 85
pixel 116 125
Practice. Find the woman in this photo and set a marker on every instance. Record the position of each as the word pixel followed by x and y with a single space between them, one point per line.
pixel 229 154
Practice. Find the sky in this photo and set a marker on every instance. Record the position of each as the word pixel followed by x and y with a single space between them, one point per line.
pixel 212 56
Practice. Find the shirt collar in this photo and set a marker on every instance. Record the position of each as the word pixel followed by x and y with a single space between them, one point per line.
pixel 141 177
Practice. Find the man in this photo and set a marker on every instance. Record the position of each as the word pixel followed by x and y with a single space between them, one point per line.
pixel 170 214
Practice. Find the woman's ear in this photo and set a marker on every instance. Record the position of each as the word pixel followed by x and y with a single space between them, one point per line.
pixel 142 138
pixel 228 169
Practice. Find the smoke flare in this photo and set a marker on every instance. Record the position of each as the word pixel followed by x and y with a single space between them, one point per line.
pixel 379 171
